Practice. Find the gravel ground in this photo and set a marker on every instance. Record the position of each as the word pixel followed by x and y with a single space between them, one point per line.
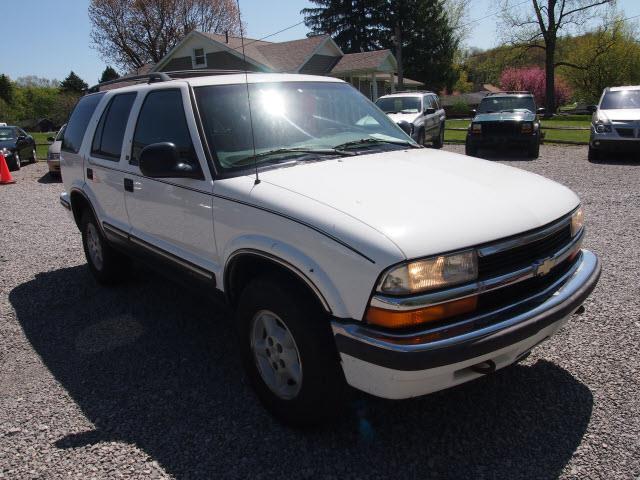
pixel 142 380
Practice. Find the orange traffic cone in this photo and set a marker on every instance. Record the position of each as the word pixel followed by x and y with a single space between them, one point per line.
pixel 5 175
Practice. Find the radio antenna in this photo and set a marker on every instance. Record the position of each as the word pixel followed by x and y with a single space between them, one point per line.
pixel 246 82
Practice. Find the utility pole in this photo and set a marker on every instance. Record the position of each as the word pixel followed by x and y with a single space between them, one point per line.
pixel 398 41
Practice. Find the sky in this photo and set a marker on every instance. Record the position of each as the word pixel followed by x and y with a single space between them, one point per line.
pixel 50 38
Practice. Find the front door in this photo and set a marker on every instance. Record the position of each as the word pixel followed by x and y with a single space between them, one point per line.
pixel 171 217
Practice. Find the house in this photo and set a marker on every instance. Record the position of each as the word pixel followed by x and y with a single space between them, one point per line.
pixel 37 125
pixel 373 73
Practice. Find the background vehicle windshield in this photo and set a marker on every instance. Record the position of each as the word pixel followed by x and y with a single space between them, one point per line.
pixel 304 115
pixel 399 104
pixel 621 99
pixel 60 133
pixel 500 104
pixel 6 133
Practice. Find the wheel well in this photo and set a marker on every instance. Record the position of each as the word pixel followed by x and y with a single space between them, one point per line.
pixel 245 267
pixel 78 205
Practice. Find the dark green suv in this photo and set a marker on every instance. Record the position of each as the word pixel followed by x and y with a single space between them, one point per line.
pixel 505 119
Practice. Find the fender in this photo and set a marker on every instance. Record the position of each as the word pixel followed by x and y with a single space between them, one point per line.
pixel 79 190
pixel 294 260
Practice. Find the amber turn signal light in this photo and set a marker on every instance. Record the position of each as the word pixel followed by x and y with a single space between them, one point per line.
pixel 411 318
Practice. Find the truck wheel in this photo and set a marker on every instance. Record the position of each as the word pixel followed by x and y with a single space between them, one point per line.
pixel 17 163
pixel 34 156
pixel 107 265
pixel 593 155
pixel 534 150
pixel 438 141
pixel 289 353
pixel 470 150
pixel 420 139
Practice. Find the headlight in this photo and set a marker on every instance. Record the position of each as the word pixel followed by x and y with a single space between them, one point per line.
pixel 476 128
pixel 577 221
pixel 431 273
pixel 6 152
pixel 602 127
pixel 526 127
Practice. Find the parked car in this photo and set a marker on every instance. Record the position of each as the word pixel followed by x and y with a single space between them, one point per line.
pixel 418 113
pixel 505 120
pixel 615 124
pixel 351 255
pixel 16 145
pixel 53 154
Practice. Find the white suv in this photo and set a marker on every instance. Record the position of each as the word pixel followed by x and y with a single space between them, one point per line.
pixel 350 254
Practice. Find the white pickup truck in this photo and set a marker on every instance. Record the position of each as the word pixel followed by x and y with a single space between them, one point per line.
pixel 352 255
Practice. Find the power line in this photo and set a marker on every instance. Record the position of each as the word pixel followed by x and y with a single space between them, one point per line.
pixel 490 15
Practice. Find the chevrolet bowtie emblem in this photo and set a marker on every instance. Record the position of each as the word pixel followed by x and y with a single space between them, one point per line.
pixel 545 267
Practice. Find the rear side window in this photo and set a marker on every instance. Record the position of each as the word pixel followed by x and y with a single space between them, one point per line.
pixel 107 141
pixel 162 119
pixel 77 125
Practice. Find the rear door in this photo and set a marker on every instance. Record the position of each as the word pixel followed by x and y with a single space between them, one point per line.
pixel 430 119
pixel 104 171
pixel 171 217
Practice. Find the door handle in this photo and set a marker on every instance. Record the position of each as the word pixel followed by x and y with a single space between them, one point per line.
pixel 90 173
pixel 128 184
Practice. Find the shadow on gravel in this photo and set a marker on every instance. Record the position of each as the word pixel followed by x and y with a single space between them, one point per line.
pixel 154 364
pixel 512 155
pixel 50 178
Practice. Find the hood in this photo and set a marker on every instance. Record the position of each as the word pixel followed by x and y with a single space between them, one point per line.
pixel 8 144
pixel 424 201
pixel 407 117
pixel 505 117
pixel 619 114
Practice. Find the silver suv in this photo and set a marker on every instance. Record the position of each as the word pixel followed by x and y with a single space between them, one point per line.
pixel 615 125
pixel 417 113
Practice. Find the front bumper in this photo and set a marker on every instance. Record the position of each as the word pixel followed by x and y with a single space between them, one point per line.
pixel 614 143
pixel 406 365
pixel 498 141
pixel 54 165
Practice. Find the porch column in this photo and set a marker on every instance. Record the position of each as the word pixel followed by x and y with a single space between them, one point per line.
pixel 374 87
pixel 392 79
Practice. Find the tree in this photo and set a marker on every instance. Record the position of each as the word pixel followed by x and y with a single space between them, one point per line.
pixel 132 33
pixel 6 89
pixel 532 79
pixel 73 84
pixel 35 81
pixel 108 74
pixel 608 56
pixel 539 27
pixel 62 107
pixel 354 26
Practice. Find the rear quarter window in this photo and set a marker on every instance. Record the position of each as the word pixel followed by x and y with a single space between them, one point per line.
pixel 77 125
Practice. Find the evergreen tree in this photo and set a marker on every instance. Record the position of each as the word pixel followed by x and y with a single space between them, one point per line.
pixel 73 84
pixel 355 25
pixel 108 74
pixel 6 89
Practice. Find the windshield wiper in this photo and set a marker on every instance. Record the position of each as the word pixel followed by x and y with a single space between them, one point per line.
pixel 279 151
pixel 373 141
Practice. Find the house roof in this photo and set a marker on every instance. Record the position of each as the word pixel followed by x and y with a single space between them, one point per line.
pixel 361 61
pixel 290 56
pixel 251 46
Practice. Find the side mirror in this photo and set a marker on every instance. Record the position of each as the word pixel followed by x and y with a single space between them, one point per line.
pixel 405 126
pixel 51 139
pixel 21 137
pixel 592 108
pixel 541 111
pixel 429 111
pixel 161 160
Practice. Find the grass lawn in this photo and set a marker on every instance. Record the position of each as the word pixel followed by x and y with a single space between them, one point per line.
pixel 42 144
pixel 551 135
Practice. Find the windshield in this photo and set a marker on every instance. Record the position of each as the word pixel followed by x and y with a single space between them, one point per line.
pixel 509 104
pixel 399 104
pixel 315 118
pixel 6 133
pixel 621 99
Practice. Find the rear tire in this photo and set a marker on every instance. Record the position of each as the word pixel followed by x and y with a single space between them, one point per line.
pixel 107 265
pixel 438 141
pixel 288 352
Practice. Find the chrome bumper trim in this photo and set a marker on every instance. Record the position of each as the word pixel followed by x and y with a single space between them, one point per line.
pixel 569 291
pixel 540 267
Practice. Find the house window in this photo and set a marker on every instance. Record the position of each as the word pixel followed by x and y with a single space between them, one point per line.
pixel 199 59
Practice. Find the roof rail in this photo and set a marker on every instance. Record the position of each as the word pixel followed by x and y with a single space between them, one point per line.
pixel 153 77
pixel 412 91
pixel 510 92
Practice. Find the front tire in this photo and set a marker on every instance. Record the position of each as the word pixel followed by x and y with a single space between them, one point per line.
pixel 534 150
pixel 107 265
pixel 470 150
pixel 33 158
pixel 420 139
pixel 288 352
pixel 438 141
pixel 593 155
pixel 17 162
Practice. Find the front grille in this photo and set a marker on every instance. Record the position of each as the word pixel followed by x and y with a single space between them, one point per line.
pixel 501 128
pixel 625 132
pixel 524 255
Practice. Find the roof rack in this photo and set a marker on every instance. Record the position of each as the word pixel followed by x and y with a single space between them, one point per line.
pixel 510 92
pixel 153 77
pixel 412 91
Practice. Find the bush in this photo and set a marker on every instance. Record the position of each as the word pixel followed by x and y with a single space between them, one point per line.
pixel 532 79
pixel 460 107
